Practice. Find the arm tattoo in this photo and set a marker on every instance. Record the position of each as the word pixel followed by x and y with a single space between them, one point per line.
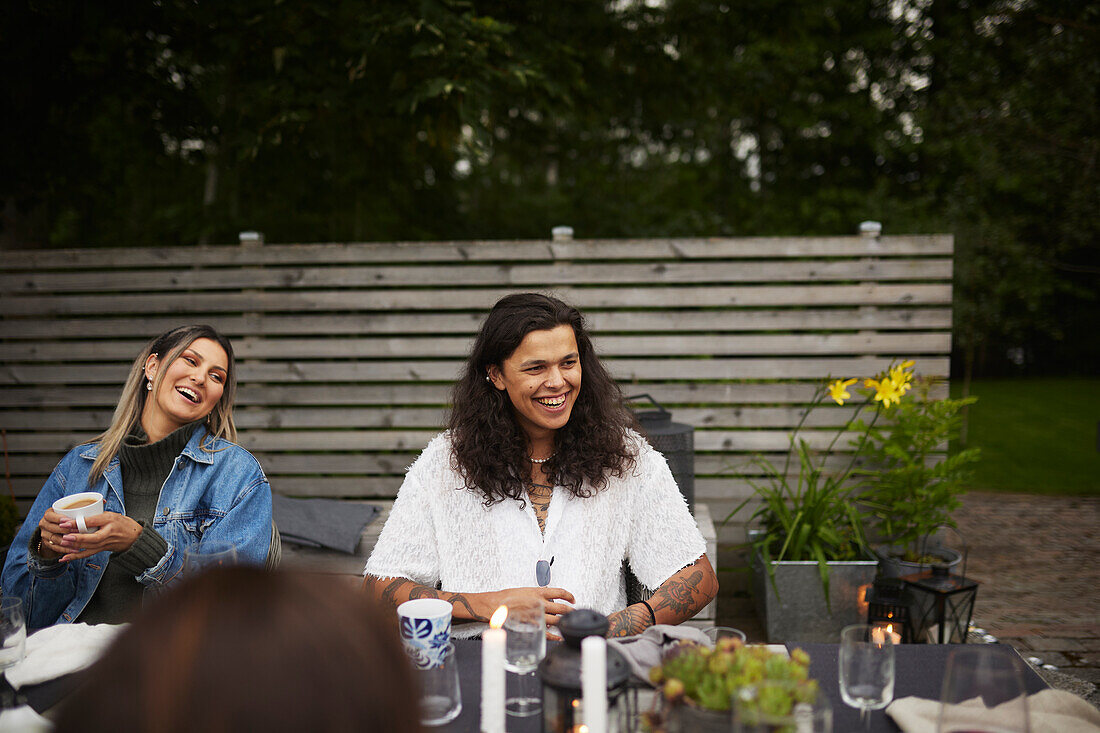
pixel 390 594
pixel 629 621
pixel 459 599
pixel 685 593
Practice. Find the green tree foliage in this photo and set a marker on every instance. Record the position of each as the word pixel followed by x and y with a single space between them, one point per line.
pixel 1011 164
pixel 186 121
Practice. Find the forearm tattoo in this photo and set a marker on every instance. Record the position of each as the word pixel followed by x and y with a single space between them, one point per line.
pixel 684 594
pixel 399 590
pixel 631 620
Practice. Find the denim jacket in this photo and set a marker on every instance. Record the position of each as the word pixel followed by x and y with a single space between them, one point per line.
pixel 216 492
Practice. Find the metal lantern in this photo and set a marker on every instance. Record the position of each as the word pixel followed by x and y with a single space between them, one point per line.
pixel 942 604
pixel 676 441
pixel 888 605
pixel 560 672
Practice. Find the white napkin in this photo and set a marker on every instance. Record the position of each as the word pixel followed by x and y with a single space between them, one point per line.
pixel 61 649
pixel 23 719
pixel 643 650
pixel 1049 711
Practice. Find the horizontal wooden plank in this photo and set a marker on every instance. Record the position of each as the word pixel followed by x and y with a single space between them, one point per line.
pixel 480 251
pixel 273 418
pixel 335 487
pixel 748 440
pixel 708 466
pixel 203 304
pixel 517 273
pixel 625 370
pixel 249 395
pixel 682 344
pixel 619 321
pixel 723 493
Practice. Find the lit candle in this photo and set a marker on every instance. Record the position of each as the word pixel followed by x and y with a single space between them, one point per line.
pixel 594 683
pixel 492 674
pixel 879 634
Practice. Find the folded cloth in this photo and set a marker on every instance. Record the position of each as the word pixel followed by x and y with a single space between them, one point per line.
pixel 643 651
pixel 59 650
pixel 23 719
pixel 1049 711
pixel 322 522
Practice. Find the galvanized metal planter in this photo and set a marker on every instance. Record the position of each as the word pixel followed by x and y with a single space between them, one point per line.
pixel 799 612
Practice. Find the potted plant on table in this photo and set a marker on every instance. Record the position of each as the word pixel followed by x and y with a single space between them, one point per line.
pixel 810 557
pixel 910 484
pixel 698 686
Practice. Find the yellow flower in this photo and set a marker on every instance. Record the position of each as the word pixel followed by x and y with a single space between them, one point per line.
pixel 901 377
pixel 838 390
pixel 886 391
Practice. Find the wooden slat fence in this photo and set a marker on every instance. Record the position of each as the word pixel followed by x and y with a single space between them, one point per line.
pixel 347 351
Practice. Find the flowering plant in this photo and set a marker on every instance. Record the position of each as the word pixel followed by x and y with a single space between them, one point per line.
pixel 907 483
pixel 813 515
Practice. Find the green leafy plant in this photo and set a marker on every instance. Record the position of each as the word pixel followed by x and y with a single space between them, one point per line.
pixel 907 483
pixel 692 674
pixel 814 516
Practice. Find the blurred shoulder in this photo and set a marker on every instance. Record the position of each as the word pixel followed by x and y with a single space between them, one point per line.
pixel 437 455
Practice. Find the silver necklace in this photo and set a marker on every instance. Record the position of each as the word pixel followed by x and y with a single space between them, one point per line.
pixel 542 460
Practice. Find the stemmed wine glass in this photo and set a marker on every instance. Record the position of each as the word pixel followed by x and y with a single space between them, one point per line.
pixel 13 631
pixel 983 690
pixel 524 648
pixel 866 669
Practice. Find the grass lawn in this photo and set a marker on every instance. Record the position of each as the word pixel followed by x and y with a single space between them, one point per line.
pixel 1037 435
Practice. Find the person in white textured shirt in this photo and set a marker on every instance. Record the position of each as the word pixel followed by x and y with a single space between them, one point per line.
pixel 540 490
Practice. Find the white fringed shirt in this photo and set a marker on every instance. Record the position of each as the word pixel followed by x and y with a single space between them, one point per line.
pixel 440 532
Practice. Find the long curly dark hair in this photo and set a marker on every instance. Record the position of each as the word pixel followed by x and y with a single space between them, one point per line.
pixel 490 448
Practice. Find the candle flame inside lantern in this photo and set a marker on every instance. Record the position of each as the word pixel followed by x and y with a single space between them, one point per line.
pixel 498 617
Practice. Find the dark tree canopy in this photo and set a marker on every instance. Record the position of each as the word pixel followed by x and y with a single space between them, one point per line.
pixel 186 121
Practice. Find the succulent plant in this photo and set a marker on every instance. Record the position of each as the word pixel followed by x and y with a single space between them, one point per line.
pixel 708 677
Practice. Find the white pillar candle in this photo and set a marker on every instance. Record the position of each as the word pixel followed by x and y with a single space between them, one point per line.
pixel 492 674
pixel 594 683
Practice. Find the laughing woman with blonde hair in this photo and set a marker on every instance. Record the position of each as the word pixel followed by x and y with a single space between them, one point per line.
pixel 171 478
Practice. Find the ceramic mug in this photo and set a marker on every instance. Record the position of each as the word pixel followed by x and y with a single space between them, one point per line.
pixel 79 506
pixel 425 630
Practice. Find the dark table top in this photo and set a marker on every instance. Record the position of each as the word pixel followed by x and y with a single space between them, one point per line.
pixel 919 672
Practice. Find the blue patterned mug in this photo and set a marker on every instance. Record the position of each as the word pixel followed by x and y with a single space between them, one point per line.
pixel 425 630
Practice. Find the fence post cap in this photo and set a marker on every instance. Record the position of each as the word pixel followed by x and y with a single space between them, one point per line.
pixel 870 228
pixel 561 234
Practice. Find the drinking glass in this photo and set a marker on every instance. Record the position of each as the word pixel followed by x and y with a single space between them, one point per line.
pixel 440 694
pixel 13 631
pixel 208 555
pixel 866 663
pixel 983 691
pixel 524 648
pixel 715 633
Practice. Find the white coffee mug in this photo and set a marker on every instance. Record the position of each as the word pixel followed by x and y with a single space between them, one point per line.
pixel 79 506
pixel 425 630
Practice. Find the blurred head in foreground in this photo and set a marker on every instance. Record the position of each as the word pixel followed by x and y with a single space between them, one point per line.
pixel 239 649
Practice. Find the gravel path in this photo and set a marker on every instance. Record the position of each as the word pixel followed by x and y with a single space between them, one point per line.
pixel 1038 559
